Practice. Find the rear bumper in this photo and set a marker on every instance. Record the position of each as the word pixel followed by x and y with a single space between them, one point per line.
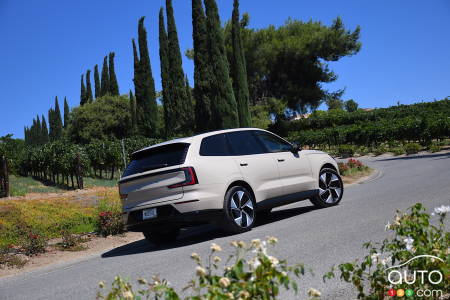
pixel 169 216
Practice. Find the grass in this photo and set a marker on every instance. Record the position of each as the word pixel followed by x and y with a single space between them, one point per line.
pixel 20 186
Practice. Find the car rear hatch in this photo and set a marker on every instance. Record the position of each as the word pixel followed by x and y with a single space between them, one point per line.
pixel 154 176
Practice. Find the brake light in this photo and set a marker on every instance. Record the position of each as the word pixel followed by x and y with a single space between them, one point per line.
pixel 191 178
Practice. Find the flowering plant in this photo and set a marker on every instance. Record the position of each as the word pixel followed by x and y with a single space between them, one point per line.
pixel 109 223
pixel 414 234
pixel 238 277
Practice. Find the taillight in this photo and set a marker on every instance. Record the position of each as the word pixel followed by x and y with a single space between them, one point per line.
pixel 191 178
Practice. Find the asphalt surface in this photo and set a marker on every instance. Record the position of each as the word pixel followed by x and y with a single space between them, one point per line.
pixel 319 238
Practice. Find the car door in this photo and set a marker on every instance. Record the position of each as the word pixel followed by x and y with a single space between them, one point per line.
pixel 258 167
pixel 294 167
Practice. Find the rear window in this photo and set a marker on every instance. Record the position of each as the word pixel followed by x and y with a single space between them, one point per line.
pixel 244 143
pixel 157 158
pixel 215 145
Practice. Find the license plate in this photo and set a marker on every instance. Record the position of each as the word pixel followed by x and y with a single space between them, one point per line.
pixel 149 213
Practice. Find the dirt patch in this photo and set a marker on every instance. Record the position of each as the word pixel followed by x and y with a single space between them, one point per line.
pixel 95 245
pixel 358 177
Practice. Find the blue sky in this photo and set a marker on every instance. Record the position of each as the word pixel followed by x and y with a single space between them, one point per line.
pixel 45 46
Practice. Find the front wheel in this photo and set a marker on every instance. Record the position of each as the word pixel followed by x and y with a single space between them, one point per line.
pixel 239 208
pixel 331 189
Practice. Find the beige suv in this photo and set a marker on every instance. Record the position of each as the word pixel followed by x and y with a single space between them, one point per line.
pixel 228 177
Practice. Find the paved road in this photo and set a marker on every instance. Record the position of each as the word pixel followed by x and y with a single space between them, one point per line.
pixel 317 238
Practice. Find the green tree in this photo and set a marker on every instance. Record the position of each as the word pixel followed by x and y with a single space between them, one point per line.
pixel 146 107
pixel 334 101
pixel 179 102
pixel 104 88
pixel 38 131
pixel 167 98
pixel 351 105
pixel 97 82
pixel 44 134
pixel 83 94
pixel 66 112
pixel 238 71
pixel 202 69
pixel 57 133
pixel 133 113
pixel 190 104
pixel 89 96
pixel 223 103
pixel 113 85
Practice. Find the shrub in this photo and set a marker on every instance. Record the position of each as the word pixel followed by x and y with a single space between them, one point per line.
pixel 343 168
pixel 363 150
pixel 380 150
pixel 110 223
pixel 33 243
pixel 259 277
pixel 10 260
pixel 346 150
pixel 412 148
pixel 434 148
pixel 413 234
pixel 70 241
pixel 398 151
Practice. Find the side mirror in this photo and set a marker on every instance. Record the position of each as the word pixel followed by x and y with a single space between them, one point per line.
pixel 296 148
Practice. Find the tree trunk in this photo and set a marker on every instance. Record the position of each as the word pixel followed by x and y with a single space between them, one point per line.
pixel 5 176
pixel 112 173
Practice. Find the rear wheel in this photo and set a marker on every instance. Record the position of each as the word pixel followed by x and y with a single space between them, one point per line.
pixel 331 189
pixel 162 236
pixel 239 207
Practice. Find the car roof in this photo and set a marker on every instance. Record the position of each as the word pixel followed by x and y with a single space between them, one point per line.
pixel 190 140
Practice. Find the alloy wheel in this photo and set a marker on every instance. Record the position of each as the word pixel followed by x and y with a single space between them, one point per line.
pixel 242 210
pixel 330 187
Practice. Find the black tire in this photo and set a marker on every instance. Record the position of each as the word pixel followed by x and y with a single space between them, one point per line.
pixel 238 203
pixel 158 237
pixel 331 189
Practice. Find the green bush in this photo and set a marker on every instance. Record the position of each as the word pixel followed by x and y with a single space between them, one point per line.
pixel 398 151
pixel 412 148
pixel 253 274
pixel 346 150
pixel 413 234
pixel 32 242
pixel 434 148
pixel 380 150
pixel 363 150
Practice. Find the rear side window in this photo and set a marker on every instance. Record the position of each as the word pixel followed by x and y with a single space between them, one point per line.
pixel 244 143
pixel 215 145
pixel 157 158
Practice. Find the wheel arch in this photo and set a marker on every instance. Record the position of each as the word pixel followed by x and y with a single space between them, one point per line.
pixel 244 184
pixel 329 166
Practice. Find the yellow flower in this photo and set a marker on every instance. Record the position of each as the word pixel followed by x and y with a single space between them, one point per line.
pixel 127 295
pixel 272 240
pixel 241 244
pixel 256 243
pixel 244 294
pixel 215 247
pixel 273 260
pixel 217 259
pixel 195 256
pixel 200 271
pixel 234 244
pixel 230 295
pixel 224 282
pixel 101 284
pixel 314 293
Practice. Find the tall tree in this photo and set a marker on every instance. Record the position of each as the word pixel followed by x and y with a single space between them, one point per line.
pixel 133 113
pixel 38 130
pixel 165 76
pixel 190 103
pixel 179 106
pixel 44 131
pixel 223 103
pixel 89 96
pixel 97 82
pixel 113 85
pixel 146 107
pixel 104 88
pixel 57 121
pixel 202 71
pixel 83 95
pixel 66 112
pixel 239 71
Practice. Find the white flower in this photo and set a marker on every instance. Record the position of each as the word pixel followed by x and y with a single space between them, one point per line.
pixel 224 282
pixel 409 243
pixel 127 295
pixel 272 240
pixel 375 257
pixel 200 271
pixel 314 293
pixel 388 226
pixel 195 256
pixel 217 259
pixel 256 243
pixel 273 260
pixel 215 247
pixel 442 210
pixel 384 261
pixel 254 263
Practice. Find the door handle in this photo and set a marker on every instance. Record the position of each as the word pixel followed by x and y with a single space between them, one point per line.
pixel 280 160
pixel 244 164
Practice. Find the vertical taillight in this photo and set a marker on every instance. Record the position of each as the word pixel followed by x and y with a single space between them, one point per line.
pixel 190 178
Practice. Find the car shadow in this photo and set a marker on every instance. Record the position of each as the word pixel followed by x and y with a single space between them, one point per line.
pixel 199 234
pixel 418 156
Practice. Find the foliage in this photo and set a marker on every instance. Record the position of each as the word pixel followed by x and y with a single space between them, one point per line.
pixel 104 85
pixel 10 260
pixel 351 167
pixel 96 84
pixel 398 150
pixel 412 148
pixel 346 150
pixel 107 118
pixel 31 241
pixel 89 95
pixel 381 149
pixel 113 85
pixel 260 277
pixel 109 215
pixel 414 233
pixel 434 148
pixel 351 105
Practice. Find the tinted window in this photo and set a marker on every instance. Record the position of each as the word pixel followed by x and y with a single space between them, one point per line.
pixel 244 143
pixel 273 143
pixel 215 145
pixel 157 158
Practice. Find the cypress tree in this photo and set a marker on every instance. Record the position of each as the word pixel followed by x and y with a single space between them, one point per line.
pixel 38 130
pixel 165 76
pixel 44 131
pixel 66 113
pixel 113 85
pixel 223 103
pixel 146 107
pixel 96 82
pixel 104 88
pixel 190 104
pixel 179 99
pixel 51 124
pixel 133 113
pixel 239 71
pixel 58 126
pixel 89 96
pixel 83 94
